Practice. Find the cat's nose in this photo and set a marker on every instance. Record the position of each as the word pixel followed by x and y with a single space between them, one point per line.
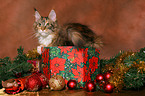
pixel 43 28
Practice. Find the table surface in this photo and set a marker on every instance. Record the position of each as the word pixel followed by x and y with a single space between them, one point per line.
pixel 81 92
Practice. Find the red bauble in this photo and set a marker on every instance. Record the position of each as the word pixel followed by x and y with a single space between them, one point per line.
pixel 33 83
pixel 90 86
pixel 44 79
pixel 108 88
pixel 107 75
pixel 99 78
pixel 72 84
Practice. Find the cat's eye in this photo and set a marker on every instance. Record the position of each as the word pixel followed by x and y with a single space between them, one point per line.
pixel 39 24
pixel 52 26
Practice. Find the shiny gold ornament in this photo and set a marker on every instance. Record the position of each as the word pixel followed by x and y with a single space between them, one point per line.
pixel 56 82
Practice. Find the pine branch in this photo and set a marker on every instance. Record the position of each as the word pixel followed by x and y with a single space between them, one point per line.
pixel 9 68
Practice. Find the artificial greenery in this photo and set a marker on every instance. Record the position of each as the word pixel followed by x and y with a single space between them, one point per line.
pixel 134 77
pixel 104 62
pixel 9 69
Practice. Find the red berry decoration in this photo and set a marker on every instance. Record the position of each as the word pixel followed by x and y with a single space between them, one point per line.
pixel 72 84
pixel 99 77
pixel 107 75
pixel 33 83
pixel 108 88
pixel 44 79
pixel 90 86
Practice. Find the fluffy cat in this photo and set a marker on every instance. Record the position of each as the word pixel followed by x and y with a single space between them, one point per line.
pixel 49 33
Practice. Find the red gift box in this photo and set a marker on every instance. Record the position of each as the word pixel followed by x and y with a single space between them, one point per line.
pixel 80 64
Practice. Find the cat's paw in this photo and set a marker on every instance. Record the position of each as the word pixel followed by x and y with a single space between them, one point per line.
pixel 39 49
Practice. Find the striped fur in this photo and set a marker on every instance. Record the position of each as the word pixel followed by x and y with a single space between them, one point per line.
pixel 49 33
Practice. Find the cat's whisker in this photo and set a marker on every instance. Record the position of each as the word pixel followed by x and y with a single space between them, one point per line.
pixel 30 33
pixel 32 37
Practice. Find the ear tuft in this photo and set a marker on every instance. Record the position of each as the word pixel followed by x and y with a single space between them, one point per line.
pixel 37 15
pixel 52 15
pixel 35 9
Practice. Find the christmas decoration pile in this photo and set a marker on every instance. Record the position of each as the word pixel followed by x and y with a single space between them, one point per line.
pixel 19 67
pixel 124 71
pixel 103 83
pixel 128 70
pixel 33 82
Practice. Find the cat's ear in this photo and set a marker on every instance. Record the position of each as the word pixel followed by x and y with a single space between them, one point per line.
pixel 37 15
pixel 52 15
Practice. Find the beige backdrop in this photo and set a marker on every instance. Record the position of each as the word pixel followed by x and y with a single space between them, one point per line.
pixel 120 22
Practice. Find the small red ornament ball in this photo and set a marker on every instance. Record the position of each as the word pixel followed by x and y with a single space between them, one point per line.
pixel 108 88
pixel 72 84
pixel 107 75
pixel 99 78
pixel 44 80
pixel 90 86
pixel 33 83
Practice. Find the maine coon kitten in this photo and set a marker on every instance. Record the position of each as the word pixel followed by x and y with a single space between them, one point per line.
pixel 49 33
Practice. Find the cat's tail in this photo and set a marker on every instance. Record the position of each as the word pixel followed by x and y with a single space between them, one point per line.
pixel 97 42
pixel 76 38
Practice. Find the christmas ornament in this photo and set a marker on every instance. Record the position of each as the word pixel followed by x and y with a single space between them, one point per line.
pixel 16 67
pixel 72 84
pixel 90 86
pixel 44 80
pixel 56 82
pixel 107 76
pixel 124 67
pixel 108 88
pixel 99 78
pixel 12 86
pixel 12 90
pixel 33 83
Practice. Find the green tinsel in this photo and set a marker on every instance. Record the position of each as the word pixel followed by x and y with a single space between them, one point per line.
pixel 9 68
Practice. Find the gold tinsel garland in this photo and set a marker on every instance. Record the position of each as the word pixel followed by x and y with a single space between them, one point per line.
pixel 33 54
pixel 119 69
